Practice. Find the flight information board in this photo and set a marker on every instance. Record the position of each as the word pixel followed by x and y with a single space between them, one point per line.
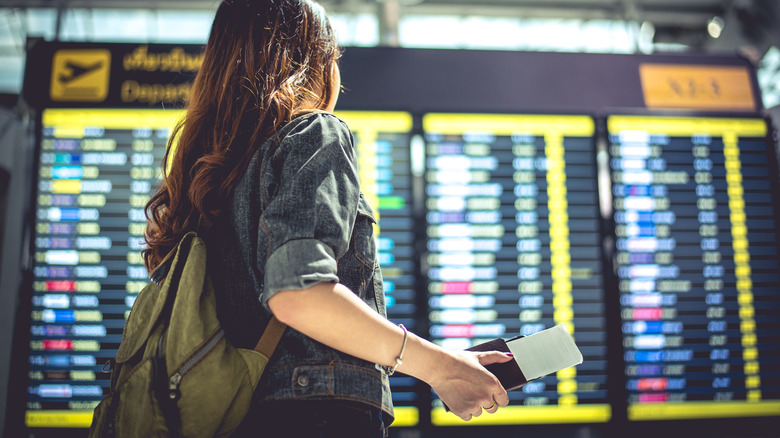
pixel 697 261
pixel 98 169
pixel 382 144
pixel 514 247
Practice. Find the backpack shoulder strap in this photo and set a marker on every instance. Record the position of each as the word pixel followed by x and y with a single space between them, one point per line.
pixel 271 337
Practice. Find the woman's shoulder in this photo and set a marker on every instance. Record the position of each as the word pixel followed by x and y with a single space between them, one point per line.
pixel 316 119
pixel 312 132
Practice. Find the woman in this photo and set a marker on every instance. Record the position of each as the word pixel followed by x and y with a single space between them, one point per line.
pixel 267 174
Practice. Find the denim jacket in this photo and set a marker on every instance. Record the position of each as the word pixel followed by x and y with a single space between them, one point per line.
pixel 297 218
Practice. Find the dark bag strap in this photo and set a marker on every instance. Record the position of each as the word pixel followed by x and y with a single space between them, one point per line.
pixel 273 331
pixel 271 337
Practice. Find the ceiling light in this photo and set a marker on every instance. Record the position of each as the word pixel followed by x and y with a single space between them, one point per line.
pixel 715 26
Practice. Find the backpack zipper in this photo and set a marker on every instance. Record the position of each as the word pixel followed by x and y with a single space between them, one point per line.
pixel 175 380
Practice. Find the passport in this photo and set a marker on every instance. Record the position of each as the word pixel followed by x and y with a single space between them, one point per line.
pixel 535 356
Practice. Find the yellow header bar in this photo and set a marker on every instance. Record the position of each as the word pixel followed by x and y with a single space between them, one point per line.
pixel 406 416
pixel 596 413
pixel 378 121
pixel 702 409
pixel 61 418
pixel 73 121
pixel 508 124
pixel 686 126
pixel 707 87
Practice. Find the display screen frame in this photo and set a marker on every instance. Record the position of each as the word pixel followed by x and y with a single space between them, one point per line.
pixel 16 401
pixel 551 419
pixel 705 424
pixel 408 416
pixel 425 91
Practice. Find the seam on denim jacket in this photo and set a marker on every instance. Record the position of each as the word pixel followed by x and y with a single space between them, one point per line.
pixel 264 199
pixel 351 397
pixel 362 261
pixel 270 253
pixel 366 213
pixel 372 373
pixel 377 300
pixel 331 389
pixel 336 365
pixel 358 255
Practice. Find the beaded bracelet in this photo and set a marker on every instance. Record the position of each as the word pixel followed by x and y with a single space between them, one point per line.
pixel 399 359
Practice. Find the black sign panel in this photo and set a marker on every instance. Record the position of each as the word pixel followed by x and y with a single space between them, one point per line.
pixel 117 75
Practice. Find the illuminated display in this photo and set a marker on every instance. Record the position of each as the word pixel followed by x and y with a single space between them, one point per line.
pixel 514 247
pixel 697 261
pixel 98 169
pixel 488 225
pixel 382 144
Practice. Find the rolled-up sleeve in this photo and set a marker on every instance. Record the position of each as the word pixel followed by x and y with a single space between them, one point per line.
pixel 307 224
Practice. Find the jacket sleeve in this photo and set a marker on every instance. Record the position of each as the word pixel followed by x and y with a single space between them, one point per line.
pixel 308 224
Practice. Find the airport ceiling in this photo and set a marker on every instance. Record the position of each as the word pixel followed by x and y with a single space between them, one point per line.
pixel 673 20
pixel 670 10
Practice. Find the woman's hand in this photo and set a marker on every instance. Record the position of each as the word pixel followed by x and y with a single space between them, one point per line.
pixel 466 387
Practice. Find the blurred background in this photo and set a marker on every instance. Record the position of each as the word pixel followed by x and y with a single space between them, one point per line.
pixel 564 80
pixel 750 27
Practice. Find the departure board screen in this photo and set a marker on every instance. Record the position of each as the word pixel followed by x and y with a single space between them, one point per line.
pixel 98 169
pixel 382 145
pixel 514 247
pixel 697 261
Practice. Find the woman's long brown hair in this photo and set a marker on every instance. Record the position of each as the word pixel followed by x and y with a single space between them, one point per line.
pixel 264 62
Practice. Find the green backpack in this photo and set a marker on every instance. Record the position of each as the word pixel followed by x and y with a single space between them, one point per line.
pixel 175 374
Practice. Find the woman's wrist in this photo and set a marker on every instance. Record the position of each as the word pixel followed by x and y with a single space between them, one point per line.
pixel 399 359
pixel 425 360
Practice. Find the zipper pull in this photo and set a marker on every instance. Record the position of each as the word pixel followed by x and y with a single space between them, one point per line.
pixel 111 427
pixel 173 387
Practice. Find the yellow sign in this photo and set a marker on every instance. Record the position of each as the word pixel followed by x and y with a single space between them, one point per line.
pixel 687 126
pixel 588 413
pixel 706 87
pixel 702 409
pixel 80 75
pixel 62 418
pixel 406 416
pixel 508 124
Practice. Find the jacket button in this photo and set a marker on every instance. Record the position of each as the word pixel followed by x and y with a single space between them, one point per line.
pixel 303 380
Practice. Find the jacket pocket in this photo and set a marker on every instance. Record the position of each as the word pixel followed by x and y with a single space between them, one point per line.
pixel 363 242
pixel 379 292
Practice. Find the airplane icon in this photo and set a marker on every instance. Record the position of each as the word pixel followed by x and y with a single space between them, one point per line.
pixel 80 75
pixel 76 71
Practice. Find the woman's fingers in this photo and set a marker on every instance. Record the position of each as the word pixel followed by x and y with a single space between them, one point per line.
pixel 490 357
pixel 492 409
pixel 502 398
pixel 466 416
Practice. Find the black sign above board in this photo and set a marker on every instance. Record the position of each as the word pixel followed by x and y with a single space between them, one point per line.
pixel 115 75
pixel 66 75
